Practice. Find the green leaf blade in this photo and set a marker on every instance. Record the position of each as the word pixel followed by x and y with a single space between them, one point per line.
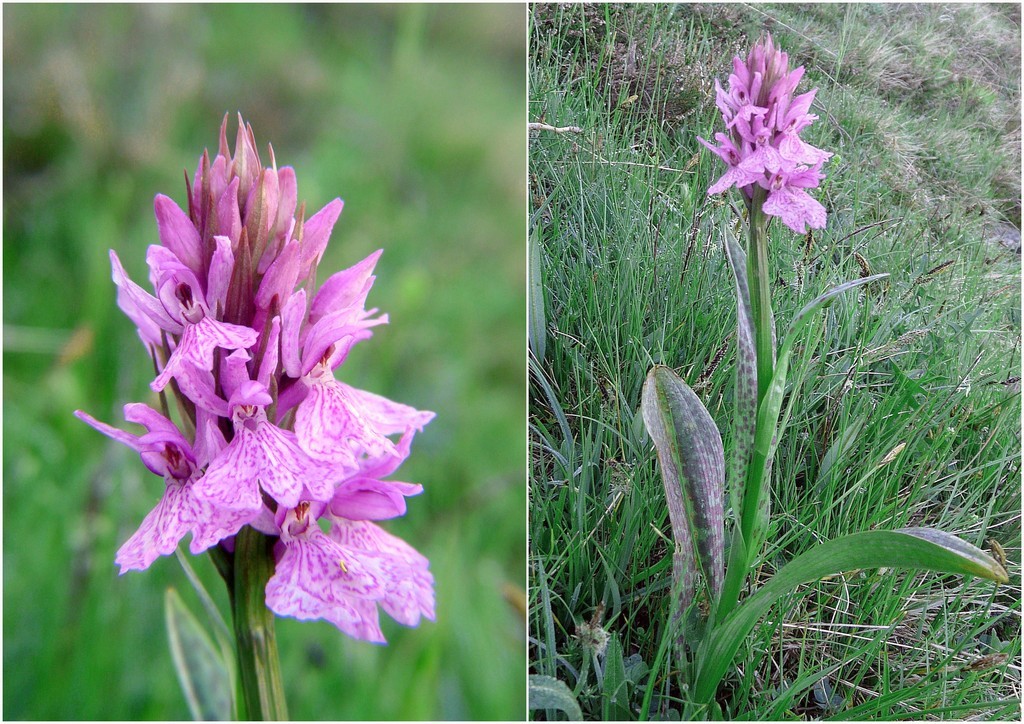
pixel 804 315
pixel 693 470
pixel 204 675
pixel 915 548
pixel 745 406
pixel 615 691
pixel 547 692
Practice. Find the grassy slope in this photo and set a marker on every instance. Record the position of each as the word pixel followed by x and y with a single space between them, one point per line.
pixel 921 106
pixel 414 116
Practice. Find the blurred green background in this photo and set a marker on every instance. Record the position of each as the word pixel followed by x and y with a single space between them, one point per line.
pixel 414 116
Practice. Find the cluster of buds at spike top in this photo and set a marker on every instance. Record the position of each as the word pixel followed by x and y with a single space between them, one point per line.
pixel 763 145
pixel 269 437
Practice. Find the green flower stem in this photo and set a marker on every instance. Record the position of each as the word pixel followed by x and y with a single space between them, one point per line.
pixel 759 279
pixel 754 497
pixel 258 663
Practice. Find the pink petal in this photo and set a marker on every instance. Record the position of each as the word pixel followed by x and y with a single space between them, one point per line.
pixel 389 417
pixel 219 173
pixel 403 571
pixel 765 158
pixel 153 421
pixel 280 278
pixel 285 472
pixel 316 232
pixel 197 344
pixel 234 372
pixel 262 455
pixel 800 105
pixel 271 196
pixel 332 329
pixel 269 364
pixel 141 307
pixel 364 536
pixel 254 394
pixel 209 439
pixel 288 195
pixel 230 480
pixel 300 586
pixel 197 385
pixel 331 427
pixel 125 438
pixel 213 524
pixel 368 499
pixel 160 531
pixel 178 234
pixel 315 577
pixel 292 314
pixel 229 219
pixel 795 207
pixel 733 177
pixel 347 288
pixel 793 149
pixel 367 627
pixel 410 592
pixel 383 465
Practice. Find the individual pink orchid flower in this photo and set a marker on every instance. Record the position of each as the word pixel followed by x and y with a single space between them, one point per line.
pixel 342 576
pixel 261 457
pixel 166 452
pixel 334 422
pixel 788 200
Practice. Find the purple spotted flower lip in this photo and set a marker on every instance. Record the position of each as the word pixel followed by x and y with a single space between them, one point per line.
pixel 266 435
pixel 763 144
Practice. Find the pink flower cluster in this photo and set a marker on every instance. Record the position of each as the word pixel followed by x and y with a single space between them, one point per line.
pixel 763 145
pixel 269 437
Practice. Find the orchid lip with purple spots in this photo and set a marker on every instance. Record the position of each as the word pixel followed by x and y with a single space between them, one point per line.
pixel 267 436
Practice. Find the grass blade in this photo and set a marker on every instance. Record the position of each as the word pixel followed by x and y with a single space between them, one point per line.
pixel 556 408
pixel 538 321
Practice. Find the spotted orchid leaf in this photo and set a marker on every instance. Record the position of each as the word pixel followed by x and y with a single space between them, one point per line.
pixel 744 418
pixel 745 401
pixel 753 513
pixel 693 470
pixel 915 548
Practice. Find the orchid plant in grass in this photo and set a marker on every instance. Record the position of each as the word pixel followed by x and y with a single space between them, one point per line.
pixel 772 168
pixel 274 466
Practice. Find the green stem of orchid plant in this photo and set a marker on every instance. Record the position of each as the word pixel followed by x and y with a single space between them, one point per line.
pixel 760 292
pixel 258 663
pixel 745 543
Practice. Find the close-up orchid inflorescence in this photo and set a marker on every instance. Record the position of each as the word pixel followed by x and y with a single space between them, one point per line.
pixel 267 437
pixel 763 146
